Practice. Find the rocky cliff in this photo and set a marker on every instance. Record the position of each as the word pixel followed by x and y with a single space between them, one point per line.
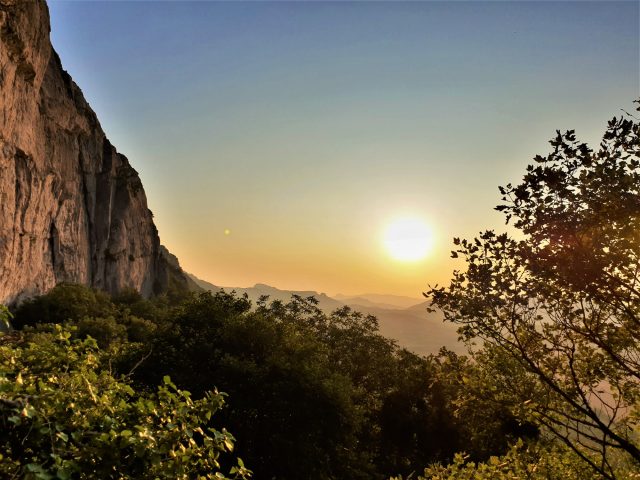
pixel 72 209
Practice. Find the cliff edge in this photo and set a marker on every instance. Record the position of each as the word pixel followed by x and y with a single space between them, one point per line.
pixel 72 209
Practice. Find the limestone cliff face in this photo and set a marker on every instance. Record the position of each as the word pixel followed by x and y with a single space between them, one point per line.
pixel 72 209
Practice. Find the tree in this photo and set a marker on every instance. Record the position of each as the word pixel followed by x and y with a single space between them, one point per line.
pixel 293 414
pixel 66 301
pixel 531 462
pixel 64 415
pixel 562 300
pixel 334 398
pixel 5 318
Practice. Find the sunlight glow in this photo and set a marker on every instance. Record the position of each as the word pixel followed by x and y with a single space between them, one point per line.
pixel 408 239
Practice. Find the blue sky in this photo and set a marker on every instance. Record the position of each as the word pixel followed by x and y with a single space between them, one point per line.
pixel 304 128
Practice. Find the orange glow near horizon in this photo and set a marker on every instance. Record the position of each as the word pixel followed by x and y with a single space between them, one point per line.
pixel 276 141
pixel 350 261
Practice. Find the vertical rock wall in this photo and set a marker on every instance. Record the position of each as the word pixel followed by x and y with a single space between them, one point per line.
pixel 72 209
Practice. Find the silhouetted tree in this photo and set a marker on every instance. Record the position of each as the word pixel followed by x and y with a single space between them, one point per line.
pixel 562 299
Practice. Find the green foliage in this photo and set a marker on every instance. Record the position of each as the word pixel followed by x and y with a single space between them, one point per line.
pixel 139 329
pixel 105 331
pixel 127 317
pixel 532 462
pixel 64 302
pixel 64 415
pixel 334 398
pixel 483 405
pixel 5 318
pixel 280 378
pixel 132 303
pixel 558 308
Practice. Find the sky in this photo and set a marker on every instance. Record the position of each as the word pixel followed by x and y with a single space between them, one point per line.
pixel 276 141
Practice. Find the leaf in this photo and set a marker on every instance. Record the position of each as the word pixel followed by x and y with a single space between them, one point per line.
pixel 28 411
pixel 228 444
pixel 167 381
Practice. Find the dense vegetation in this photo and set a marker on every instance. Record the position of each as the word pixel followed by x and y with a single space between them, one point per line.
pixel 65 415
pixel 551 390
pixel 310 395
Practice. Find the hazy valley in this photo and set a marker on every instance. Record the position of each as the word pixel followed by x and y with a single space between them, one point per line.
pixel 403 319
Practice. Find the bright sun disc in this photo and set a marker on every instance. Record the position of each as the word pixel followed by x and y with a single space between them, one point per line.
pixel 408 239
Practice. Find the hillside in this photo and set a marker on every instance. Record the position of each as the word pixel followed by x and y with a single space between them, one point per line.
pixel 379 300
pixel 414 328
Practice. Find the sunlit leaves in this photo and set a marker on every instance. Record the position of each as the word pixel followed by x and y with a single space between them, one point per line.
pixel 532 462
pixel 64 415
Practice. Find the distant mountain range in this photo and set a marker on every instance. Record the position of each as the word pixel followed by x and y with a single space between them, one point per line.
pixel 404 319
pixel 379 300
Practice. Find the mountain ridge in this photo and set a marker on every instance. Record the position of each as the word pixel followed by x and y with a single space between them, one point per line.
pixel 413 328
pixel 393 301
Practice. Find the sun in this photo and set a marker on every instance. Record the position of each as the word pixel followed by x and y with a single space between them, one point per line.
pixel 408 239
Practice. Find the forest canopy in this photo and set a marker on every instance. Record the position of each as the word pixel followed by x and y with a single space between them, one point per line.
pixel 334 398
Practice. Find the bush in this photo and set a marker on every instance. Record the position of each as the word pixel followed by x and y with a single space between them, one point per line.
pixel 62 415
pixel 64 302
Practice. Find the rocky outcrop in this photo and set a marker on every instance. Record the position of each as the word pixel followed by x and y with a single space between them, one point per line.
pixel 174 278
pixel 72 209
